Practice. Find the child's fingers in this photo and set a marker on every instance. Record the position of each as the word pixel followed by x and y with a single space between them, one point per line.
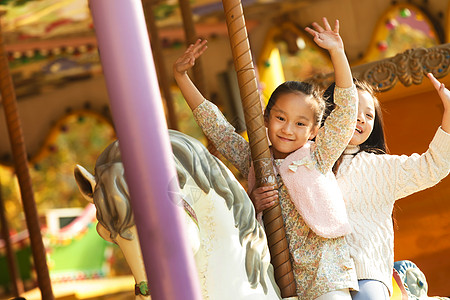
pixel 264 203
pixel 272 198
pixel 434 81
pixel 267 194
pixel 311 31
pixel 200 52
pixel 264 196
pixel 265 188
pixel 267 205
pixel 326 24
pixel 199 49
pixel 196 44
pixel 443 92
pixel 318 27
pixel 199 44
pixel 336 26
pixel 193 47
pixel 189 48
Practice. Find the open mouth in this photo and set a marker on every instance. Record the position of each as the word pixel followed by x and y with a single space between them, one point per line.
pixel 359 130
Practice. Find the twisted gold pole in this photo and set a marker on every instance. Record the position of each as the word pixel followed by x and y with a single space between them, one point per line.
pixel 251 101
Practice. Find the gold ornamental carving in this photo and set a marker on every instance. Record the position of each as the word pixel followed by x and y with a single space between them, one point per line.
pixel 408 67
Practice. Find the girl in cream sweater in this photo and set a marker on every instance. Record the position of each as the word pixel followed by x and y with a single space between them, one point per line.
pixel 371 181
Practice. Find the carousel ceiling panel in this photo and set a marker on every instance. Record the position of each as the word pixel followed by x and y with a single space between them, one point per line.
pixel 48 19
pixel 54 18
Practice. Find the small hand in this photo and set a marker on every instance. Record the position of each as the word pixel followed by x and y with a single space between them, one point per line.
pixel 263 197
pixel 327 38
pixel 187 60
pixel 443 92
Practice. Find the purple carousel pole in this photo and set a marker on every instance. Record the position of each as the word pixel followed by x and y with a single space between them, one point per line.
pixel 144 142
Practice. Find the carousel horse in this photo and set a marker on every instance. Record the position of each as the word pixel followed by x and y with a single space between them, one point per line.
pixel 413 281
pixel 229 246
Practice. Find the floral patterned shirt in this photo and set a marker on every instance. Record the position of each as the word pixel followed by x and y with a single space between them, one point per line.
pixel 320 265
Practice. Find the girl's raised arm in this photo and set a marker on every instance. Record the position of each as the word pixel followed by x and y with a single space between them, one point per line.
pixel 330 40
pixel 208 116
pixel 185 62
pixel 444 93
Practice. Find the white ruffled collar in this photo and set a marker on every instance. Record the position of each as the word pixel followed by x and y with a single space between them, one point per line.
pixel 351 150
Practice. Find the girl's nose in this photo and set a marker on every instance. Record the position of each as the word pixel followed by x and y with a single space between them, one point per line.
pixel 287 128
pixel 360 118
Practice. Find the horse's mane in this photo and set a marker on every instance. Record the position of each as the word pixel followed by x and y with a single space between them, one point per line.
pixel 192 159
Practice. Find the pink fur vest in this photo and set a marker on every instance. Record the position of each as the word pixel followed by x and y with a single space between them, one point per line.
pixel 316 196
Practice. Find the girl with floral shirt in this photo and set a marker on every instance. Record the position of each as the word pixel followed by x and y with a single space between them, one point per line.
pixel 312 205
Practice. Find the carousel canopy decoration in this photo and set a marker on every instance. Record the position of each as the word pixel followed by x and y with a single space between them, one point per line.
pixel 401 28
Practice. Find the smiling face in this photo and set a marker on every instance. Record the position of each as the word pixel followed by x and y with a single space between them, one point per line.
pixel 365 118
pixel 291 123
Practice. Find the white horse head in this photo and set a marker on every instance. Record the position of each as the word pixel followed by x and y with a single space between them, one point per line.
pixel 229 245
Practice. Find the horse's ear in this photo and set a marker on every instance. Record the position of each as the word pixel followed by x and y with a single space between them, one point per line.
pixel 85 181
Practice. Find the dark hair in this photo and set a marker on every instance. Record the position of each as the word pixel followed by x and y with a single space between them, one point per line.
pixel 376 142
pixel 297 87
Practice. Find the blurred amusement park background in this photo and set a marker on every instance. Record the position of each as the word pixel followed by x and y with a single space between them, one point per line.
pixel 52 54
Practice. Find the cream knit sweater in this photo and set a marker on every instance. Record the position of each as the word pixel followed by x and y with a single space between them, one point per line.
pixel 371 184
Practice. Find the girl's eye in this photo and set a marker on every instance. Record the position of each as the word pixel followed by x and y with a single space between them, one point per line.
pixel 280 118
pixel 300 124
pixel 369 116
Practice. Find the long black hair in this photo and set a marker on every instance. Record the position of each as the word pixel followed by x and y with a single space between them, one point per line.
pixel 376 142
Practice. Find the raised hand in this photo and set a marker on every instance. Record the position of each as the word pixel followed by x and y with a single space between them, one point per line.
pixel 263 197
pixel 443 92
pixel 330 40
pixel 326 37
pixel 187 60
